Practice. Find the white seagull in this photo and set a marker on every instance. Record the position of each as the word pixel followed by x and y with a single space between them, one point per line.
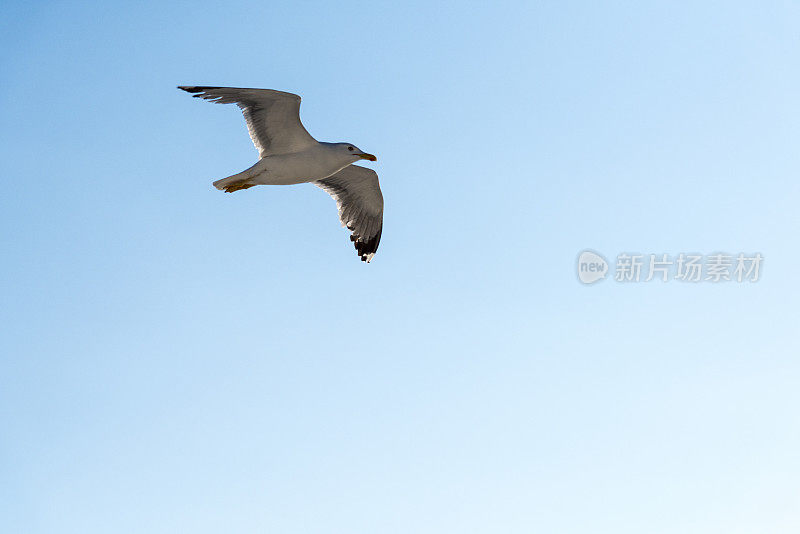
pixel 289 155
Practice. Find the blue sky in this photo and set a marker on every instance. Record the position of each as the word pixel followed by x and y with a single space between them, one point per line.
pixel 179 360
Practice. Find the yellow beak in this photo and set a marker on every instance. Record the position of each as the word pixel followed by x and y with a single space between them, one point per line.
pixel 368 156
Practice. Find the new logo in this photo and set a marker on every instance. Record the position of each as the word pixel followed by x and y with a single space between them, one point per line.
pixel 591 267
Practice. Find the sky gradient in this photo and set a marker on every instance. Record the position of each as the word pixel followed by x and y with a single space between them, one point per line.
pixel 174 359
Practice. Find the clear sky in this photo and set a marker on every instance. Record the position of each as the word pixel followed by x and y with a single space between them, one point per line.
pixel 174 359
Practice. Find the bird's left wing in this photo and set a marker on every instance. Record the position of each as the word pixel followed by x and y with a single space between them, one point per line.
pixel 358 196
pixel 272 117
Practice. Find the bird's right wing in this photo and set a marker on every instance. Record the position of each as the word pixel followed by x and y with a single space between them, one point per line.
pixel 358 196
pixel 273 117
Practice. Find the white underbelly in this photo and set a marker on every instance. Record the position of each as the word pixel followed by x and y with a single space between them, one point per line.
pixel 288 169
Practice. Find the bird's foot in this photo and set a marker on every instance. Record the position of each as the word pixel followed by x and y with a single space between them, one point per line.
pixel 236 186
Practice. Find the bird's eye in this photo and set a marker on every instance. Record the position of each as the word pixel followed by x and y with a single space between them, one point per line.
pixel 350 148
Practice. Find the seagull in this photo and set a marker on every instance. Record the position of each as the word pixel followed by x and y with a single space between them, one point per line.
pixel 289 155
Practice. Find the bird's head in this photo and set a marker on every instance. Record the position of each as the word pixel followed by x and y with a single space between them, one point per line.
pixel 353 150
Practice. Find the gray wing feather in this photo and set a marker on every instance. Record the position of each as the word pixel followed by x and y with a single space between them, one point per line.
pixel 272 117
pixel 358 197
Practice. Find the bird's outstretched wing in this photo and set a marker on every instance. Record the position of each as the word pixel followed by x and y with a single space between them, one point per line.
pixel 273 117
pixel 358 197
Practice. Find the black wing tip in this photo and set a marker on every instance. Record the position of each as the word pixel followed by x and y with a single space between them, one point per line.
pixel 196 88
pixel 367 249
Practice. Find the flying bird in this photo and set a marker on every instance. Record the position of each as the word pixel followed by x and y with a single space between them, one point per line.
pixel 289 155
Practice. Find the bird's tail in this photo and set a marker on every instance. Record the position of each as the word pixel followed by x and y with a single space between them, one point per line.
pixel 234 183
